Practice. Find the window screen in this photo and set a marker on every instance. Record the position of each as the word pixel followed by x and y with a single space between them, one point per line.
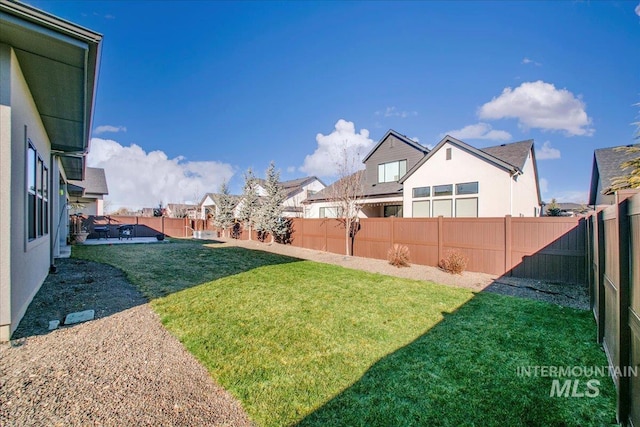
pixel 442 208
pixel 467 208
pixel 422 209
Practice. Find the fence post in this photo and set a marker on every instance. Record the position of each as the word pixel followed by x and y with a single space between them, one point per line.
pixel 507 244
pixel 590 259
pixel 624 333
pixel 392 233
pixel 440 238
pixel 302 232
pixel 599 285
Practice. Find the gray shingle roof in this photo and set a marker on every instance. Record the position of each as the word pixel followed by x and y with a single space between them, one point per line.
pixel 95 182
pixel 606 168
pixel 515 153
pixel 385 189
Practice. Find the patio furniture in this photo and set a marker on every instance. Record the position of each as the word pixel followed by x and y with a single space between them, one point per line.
pixel 125 231
pixel 102 230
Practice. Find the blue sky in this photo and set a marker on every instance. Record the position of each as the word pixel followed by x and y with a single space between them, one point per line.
pixel 193 93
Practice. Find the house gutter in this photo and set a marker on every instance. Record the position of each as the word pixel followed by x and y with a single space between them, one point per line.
pixel 512 177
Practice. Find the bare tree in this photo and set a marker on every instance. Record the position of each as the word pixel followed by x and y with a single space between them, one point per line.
pixel 347 193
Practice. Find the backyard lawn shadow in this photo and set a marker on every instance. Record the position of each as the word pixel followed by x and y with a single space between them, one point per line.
pixel 95 279
pixel 465 371
pixel 160 270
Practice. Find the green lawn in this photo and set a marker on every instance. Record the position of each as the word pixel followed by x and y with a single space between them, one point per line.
pixel 299 342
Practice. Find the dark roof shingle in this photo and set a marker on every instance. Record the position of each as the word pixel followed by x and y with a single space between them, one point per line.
pixel 94 182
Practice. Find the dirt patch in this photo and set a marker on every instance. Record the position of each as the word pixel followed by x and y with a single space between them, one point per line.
pixel 124 368
pixel 78 285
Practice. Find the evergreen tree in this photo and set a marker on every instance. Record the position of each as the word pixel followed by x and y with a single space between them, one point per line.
pixel 269 218
pixel 223 217
pixel 250 202
pixel 553 209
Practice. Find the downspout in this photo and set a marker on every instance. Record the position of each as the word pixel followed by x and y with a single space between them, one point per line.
pixel 512 177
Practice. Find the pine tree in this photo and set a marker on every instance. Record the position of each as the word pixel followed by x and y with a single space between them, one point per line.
pixel 269 218
pixel 250 202
pixel 553 209
pixel 223 217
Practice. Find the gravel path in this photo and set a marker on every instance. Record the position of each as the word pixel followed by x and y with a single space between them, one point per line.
pixel 122 369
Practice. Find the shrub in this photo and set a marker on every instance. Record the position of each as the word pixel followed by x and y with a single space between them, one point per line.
pixel 455 262
pixel 398 256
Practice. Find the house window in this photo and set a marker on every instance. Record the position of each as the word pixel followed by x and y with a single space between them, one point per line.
pixel 393 210
pixel 31 192
pixel 467 188
pixel 422 209
pixel 37 195
pixel 442 208
pixel 467 208
pixel 392 171
pixel 330 212
pixel 442 190
pixel 421 192
pixel 448 153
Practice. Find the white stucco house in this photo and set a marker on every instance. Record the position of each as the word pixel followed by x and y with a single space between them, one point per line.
pixel 404 179
pixel 48 74
pixel 87 195
pixel 298 190
pixel 458 180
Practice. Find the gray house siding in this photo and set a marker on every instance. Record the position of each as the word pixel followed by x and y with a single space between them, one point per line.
pixel 392 149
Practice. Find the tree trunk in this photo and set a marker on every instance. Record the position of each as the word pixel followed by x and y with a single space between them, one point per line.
pixel 250 231
pixel 347 230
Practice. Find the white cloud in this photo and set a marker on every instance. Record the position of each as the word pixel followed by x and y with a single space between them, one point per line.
pixel 569 196
pixel 544 186
pixel 138 179
pixel 527 61
pixel 479 131
pixel 540 105
pixel 332 149
pixel 108 128
pixel 638 9
pixel 546 152
pixel 394 112
pixel 291 169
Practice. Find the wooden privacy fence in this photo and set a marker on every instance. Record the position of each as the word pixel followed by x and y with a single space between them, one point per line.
pixel 144 226
pixel 548 248
pixel 614 254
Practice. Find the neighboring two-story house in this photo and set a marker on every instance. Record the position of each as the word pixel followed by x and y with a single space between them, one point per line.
pixel 458 180
pixel 381 194
pixel 404 179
